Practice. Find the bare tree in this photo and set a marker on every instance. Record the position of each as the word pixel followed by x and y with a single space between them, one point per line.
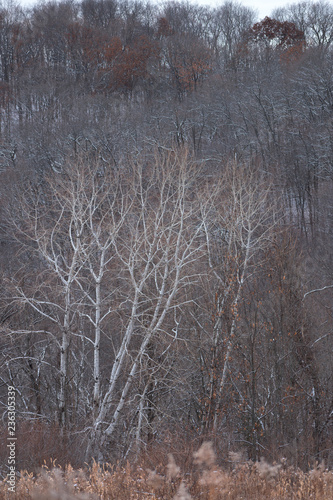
pixel 229 24
pixel 51 224
pixel 118 250
pixel 156 252
pixel 241 229
pixel 315 19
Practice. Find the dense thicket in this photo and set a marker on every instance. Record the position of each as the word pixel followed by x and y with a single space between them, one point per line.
pixel 166 233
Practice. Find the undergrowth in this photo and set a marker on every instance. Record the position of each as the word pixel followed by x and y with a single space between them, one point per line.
pixel 207 481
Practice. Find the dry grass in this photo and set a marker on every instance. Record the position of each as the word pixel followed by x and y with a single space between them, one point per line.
pixel 207 481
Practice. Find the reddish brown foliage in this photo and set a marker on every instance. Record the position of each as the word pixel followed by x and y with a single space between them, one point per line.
pixel 132 63
pixel 164 28
pixel 284 34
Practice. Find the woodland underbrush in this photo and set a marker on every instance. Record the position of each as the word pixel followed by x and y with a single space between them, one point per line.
pixel 167 481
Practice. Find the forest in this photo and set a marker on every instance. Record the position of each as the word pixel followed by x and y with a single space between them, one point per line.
pixel 166 231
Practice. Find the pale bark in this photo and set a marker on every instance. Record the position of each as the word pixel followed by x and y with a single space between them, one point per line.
pixel 246 217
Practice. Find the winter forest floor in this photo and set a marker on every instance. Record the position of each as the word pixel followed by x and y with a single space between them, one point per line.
pixel 206 480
